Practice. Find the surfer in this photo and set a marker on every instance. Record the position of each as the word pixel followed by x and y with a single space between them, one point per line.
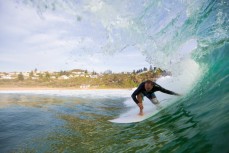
pixel 147 89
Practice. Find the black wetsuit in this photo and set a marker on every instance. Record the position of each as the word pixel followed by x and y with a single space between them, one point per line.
pixel 150 94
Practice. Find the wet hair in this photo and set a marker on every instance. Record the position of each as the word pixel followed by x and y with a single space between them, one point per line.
pixel 149 82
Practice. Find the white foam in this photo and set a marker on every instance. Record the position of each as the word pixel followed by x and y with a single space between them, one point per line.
pixel 75 93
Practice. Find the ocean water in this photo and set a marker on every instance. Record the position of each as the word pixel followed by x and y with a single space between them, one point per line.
pixel 189 38
pixel 77 121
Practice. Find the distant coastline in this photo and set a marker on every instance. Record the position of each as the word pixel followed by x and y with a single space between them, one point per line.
pixel 78 79
pixel 47 88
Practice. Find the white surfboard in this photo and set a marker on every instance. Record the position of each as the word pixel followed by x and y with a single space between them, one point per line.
pixel 132 118
pixel 132 115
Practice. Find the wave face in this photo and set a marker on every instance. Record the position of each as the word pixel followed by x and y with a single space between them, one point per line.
pixel 190 38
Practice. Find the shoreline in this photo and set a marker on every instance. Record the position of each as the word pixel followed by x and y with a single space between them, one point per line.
pixel 48 88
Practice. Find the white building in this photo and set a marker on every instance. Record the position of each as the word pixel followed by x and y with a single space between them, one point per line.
pixel 8 77
pixel 84 86
pixel 53 77
pixel 78 72
pixel 34 78
pixel 93 76
pixel 63 77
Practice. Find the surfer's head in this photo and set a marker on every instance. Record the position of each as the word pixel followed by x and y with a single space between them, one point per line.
pixel 148 85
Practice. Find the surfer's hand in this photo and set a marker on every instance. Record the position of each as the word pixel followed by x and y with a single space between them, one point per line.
pixel 177 94
pixel 140 106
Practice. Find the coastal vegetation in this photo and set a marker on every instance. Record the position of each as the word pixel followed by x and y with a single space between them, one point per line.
pixel 78 78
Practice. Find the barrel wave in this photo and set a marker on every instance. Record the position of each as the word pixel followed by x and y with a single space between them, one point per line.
pixel 189 38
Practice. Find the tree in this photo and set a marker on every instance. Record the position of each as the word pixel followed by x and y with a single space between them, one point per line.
pixel 144 69
pixel 31 74
pixel 20 77
pixel 93 72
pixel 158 72
pixel 150 68
pixel 40 76
pixel 47 76
pixel 64 73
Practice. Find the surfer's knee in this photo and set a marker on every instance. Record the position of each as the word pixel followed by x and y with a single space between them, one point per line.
pixel 154 101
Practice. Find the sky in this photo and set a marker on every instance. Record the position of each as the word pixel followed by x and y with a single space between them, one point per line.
pixel 95 37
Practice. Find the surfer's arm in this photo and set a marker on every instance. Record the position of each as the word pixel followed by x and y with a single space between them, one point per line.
pixel 167 91
pixel 136 92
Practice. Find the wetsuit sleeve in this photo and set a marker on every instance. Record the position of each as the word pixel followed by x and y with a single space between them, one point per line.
pixel 159 88
pixel 136 92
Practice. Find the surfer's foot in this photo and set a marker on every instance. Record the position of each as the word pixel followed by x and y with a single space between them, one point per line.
pixel 141 113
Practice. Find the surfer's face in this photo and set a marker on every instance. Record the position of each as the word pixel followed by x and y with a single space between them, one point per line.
pixel 148 86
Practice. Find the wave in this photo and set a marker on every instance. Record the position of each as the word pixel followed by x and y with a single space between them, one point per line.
pixel 190 38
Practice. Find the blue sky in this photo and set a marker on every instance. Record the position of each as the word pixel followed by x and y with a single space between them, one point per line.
pixel 95 37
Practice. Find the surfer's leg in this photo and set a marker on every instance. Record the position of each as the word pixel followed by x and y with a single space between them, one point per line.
pixel 155 102
pixel 154 99
pixel 140 98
